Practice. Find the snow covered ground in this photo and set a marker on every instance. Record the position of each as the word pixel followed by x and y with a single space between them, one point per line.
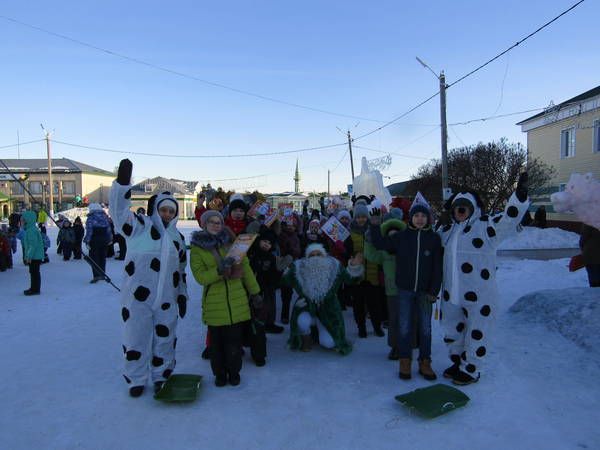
pixel 61 372
pixel 534 238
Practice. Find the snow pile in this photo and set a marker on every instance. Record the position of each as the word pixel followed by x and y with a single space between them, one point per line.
pixel 539 238
pixel 573 312
pixel 582 197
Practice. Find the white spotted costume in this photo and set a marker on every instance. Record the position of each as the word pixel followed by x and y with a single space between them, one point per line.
pixel 154 289
pixel 469 286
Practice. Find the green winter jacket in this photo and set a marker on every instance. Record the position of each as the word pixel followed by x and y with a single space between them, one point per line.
pixel 224 302
pixel 357 237
pixel 387 260
pixel 33 245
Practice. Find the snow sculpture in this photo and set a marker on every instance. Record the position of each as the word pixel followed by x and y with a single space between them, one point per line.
pixel 370 182
pixel 582 197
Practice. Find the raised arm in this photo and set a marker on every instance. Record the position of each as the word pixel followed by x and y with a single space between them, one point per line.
pixel 120 203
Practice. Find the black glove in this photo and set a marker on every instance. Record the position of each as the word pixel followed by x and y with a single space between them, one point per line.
pixel 225 265
pixel 375 216
pixel 182 305
pixel 522 187
pixel 124 173
pixel 257 301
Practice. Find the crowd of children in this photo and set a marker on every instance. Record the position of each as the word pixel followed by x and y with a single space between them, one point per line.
pixel 390 269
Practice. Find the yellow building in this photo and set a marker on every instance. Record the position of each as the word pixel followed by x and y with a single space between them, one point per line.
pixel 71 179
pixel 567 137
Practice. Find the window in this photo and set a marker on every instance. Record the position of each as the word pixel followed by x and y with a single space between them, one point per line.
pixel 567 143
pixel 55 190
pixel 68 187
pixel 596 142
pixel 149 187
pixel 35 187
pixel 16 189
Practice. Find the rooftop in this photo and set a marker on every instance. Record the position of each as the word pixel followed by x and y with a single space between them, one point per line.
pixel 59 165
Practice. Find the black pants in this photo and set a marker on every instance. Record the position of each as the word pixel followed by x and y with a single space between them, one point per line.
pixel 366 297
pixel 286 299
pixel 34 272
pixel 67 250
pixel 255 337
pixel 226 349
pixel 593 271
pixel 98 255
pixel 77 250
pixel 269 304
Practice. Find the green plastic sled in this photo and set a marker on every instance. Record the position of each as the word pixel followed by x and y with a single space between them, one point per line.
pixel 433 401
pixel 180 388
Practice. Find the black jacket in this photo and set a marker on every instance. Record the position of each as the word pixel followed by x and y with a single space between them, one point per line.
pixel 419 257
pixel 264 266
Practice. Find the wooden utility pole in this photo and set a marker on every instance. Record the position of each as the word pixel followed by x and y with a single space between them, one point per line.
pixel 444 127
pixel 350 150
pixel 328 183
pixel 51 187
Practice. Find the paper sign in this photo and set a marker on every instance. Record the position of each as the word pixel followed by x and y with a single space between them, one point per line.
pixel 335 230
pixel 271 217
pixel 240 247
pixel 259 209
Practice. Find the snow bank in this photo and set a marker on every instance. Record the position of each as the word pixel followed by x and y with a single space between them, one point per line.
pixel 573 312
pixel 533 238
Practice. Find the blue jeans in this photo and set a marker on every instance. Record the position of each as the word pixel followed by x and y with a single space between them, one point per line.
pixel 407 301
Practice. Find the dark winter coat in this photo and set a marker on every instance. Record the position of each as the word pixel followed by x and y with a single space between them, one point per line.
pixel 79 233
pixel 97 229
pixel 66 235
pixel 418 257
pixel 590 245
pixel 264 266
pixel 289 244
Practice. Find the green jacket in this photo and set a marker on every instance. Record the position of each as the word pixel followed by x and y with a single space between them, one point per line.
pixel 387 260
pixel 224 302
pixel 33 245
pixel 358 246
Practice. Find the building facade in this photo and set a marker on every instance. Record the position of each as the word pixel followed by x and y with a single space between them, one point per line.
pixel 72 180
pixel 566 137
pixel 185 192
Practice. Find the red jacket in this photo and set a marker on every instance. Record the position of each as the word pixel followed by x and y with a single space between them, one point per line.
pixel 198 212
pixel 237 226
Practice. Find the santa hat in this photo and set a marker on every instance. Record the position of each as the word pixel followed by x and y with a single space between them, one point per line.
pixel 315 248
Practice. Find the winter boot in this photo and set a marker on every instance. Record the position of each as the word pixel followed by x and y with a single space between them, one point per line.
pixel 31 292
pixel 405 365
pixel 306 343
pixel 260 362
pixel 394 354
pixel 451 371
pixel 136 391
pixel 463 378
pixel 234 379
pixel 426 371
pixel 362 331
pixel 220 380
pixel 378 331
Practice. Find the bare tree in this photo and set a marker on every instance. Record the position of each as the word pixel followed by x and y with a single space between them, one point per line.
pixel 491 169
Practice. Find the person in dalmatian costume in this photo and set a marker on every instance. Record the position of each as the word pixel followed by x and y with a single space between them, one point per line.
pixel 469 290
pixel 154 291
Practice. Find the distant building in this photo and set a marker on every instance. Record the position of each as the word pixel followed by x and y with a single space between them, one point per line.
pixel 71 180
pixel 185 192
pixel 566 137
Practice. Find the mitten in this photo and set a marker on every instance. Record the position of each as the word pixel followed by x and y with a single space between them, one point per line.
pixel 124 173
pixel 257 301
pixel 375 216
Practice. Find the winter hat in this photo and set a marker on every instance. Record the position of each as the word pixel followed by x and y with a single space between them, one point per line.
pixel 315 248
pixel 94 207
pixel 216 204
pixel 207 215
pixel 362 199
pixel 237 204
pixel 396 213
pixel 344 213
pixel 266 234
pixel 167 202
pixel 418 208
pixel 360 209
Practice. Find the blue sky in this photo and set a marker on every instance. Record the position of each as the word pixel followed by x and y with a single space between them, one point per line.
pixel 350 57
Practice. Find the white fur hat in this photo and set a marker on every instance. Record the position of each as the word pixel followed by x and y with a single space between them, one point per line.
pixel 316 247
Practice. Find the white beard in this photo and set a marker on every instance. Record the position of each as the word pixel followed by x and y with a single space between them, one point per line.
pixel 316 276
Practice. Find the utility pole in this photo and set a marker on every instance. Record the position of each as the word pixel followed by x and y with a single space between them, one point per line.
pixel 51 187
pixel 328 183
pixel 445 191
pixel 351 159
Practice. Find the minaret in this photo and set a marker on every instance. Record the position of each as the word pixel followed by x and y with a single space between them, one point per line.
pixel 297 179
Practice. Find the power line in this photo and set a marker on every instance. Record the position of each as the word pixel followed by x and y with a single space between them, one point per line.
pixel 514 45
pixel 21 143
pixel 423 102
pixel 340 161
pixel 483 119
pixel 164 155
pixel 182 74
